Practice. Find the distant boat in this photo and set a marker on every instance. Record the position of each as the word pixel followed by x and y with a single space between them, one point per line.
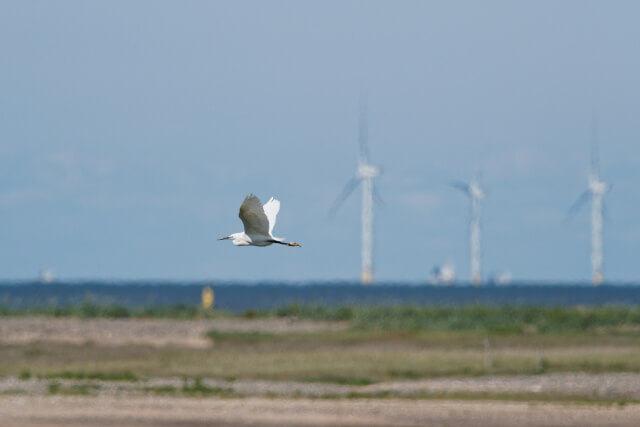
pixel 501 279
pixel 443 275
pixel 45 276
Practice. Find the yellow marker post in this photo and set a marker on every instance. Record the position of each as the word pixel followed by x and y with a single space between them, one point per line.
pixel 207 298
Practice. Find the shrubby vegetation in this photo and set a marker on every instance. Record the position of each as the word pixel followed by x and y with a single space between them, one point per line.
pixel 508 319
pixel 495 319
pixel 89 309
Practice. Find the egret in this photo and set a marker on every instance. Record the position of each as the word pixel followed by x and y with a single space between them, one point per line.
pixel 258 223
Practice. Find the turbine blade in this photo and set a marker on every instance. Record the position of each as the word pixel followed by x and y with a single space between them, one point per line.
pixel 582 199
pixel 478 177
pixel 595 160
pixel 348 189
pixel 363 130
pixel 462 186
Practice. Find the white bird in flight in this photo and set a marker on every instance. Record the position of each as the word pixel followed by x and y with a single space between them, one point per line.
pixel 258 223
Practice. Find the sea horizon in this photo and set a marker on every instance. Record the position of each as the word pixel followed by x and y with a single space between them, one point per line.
pixel 239 296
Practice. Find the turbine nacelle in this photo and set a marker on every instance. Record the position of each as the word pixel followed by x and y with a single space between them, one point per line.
pixel 597 187
pixel 366 171
pixel 475 191
pixel 472 189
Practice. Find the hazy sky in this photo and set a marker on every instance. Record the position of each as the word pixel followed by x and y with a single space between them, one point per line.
pixel 130 132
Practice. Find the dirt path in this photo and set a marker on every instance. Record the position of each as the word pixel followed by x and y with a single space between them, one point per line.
pixel 155 332
pixel 56 411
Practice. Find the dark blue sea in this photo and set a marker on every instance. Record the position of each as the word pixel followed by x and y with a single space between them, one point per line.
pixel 239 297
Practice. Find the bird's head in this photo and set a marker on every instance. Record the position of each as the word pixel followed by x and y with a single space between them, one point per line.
pixel 235 237
pixel 294 244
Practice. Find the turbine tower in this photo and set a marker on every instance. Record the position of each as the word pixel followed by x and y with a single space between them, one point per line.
pixel 596 190
pixel 475 194
pixel 364 174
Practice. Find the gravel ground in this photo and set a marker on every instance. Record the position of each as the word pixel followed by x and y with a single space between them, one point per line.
pixel 610 386
pixel 56 411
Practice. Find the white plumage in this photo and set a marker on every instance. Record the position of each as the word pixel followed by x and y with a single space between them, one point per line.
pixel 258 221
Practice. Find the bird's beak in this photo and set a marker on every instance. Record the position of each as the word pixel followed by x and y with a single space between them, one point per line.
pixel 295 245
pixel 225 238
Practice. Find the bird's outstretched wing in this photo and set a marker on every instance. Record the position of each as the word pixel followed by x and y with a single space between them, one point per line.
pixel 253 217
pixel 271 209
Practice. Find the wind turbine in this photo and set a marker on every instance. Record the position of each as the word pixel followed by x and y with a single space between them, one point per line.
pixel 364 174
pixel 596 189
pixel 475 194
